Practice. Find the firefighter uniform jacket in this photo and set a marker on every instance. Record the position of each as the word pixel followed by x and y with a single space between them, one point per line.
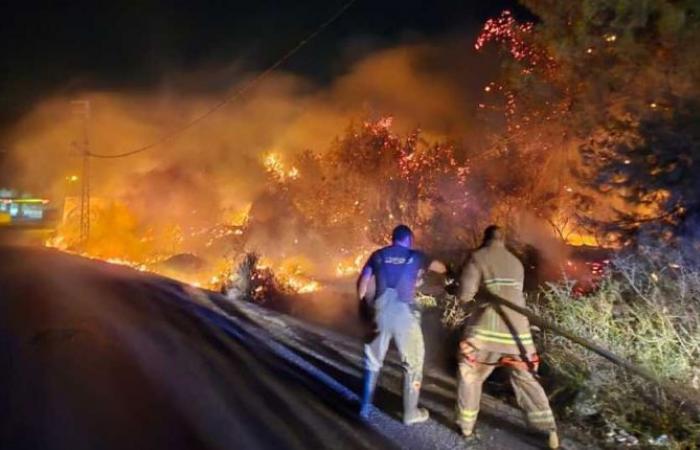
pixel 492 327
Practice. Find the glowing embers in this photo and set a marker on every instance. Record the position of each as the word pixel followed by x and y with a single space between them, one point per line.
pixel 610 37
pixel 517 39
pixel 533 58
pixel 585 275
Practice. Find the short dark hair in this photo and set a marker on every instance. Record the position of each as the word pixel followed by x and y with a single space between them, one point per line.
pixel 493 233
pixel 401 233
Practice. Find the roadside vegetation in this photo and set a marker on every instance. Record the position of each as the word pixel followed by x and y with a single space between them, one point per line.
pixel 646 309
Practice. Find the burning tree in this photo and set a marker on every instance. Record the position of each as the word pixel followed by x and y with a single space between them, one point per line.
pixel 372 178
pixel 610 91
pixel 635 105
pixel 526 114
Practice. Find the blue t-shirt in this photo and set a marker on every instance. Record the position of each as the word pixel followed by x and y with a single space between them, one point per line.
pixel 397 267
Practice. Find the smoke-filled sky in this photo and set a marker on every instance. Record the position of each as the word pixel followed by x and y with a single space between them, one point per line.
pixel 149 67
pixel 61 46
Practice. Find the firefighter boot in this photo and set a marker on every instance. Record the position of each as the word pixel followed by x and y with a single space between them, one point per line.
pixel 553 440
pixel 370 384
pixel 411 412
pixel 470 436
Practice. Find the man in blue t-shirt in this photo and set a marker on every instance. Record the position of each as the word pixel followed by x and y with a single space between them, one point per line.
pixel 396 270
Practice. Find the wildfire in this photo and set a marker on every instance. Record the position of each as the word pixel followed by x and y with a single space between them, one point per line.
pixel 238 217
pixel 115 239
pixel 577 236
pixel 275 166
pixel 291 275
pixel 352 266
pixel 586 275
pixel 124 262
pixel 58 243
pixel 302 286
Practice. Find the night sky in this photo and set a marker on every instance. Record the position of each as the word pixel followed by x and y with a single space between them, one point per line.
pixel 59 46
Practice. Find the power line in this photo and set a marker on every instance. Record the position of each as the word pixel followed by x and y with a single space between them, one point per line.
pixel 237 94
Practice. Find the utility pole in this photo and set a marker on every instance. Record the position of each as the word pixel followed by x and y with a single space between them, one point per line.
pixel 84 149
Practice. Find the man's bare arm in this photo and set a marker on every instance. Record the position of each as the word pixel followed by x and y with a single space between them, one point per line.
pixel 363 281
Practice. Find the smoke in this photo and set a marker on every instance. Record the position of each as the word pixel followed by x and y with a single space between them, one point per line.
pixel 420 85
pixel 553 252
pixel 213 169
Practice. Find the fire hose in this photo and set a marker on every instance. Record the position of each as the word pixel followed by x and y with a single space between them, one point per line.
pixel 684 397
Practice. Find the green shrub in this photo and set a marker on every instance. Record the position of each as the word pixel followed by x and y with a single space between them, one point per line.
pixel 646 309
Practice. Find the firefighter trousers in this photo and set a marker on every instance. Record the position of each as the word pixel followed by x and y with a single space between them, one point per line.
pixel 397 320
pixel 475 368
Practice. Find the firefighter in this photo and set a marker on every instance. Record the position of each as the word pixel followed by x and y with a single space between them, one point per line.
pixel 497 336
pixel 396 270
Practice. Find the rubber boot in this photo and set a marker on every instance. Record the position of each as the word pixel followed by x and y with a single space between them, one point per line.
pixel 368 388
pixel 411 412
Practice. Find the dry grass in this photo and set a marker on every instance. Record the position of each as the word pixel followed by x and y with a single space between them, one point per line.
pixel 454 312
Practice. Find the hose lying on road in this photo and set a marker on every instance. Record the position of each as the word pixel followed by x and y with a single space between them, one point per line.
pixel 684 396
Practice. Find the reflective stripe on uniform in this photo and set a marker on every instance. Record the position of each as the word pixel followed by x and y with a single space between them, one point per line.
pixel 497 282
pixel 502 338
pixel 540 416
pixel 468 415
